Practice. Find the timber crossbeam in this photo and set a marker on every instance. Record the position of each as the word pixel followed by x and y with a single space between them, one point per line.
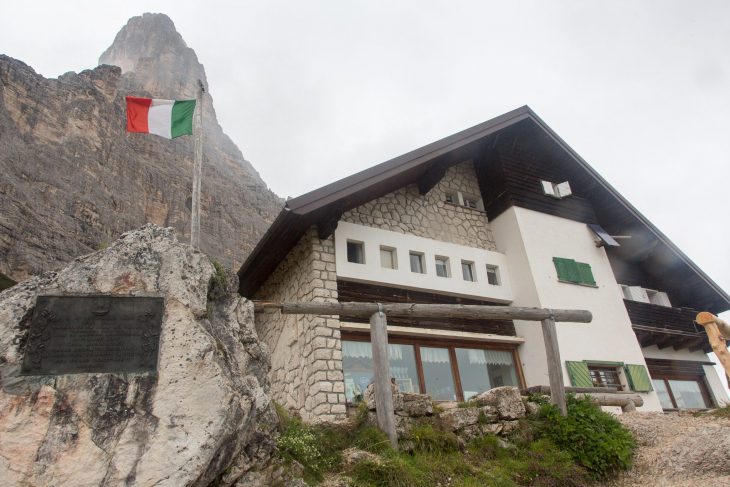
pixel 468 311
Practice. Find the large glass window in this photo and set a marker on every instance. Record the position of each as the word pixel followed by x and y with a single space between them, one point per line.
pixel 437 373
pixel 357 362
pixel 687 394
pixel 481 370
pixel 420 367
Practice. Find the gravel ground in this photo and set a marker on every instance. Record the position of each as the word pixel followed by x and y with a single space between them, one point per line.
pixel 678 450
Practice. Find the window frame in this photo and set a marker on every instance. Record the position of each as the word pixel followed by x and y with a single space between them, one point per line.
pixel 447 265
pixel 472 270
pixel 393 257
pixel 700 380
pixel 422 259
pixel 496 273
pixel 362 251
pixel 451 345
pixel 616 369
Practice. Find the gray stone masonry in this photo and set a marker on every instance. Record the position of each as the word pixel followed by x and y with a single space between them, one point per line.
pixel 306 353
pixel 429 215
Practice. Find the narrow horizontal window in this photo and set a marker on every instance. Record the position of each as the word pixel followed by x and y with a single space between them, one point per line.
pixel 355 252
pixel 417 264
pixel 442 266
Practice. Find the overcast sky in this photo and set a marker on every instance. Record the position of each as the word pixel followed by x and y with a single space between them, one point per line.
pixel 314 91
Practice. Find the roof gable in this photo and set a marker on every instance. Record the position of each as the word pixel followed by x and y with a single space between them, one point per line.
pixel 324 206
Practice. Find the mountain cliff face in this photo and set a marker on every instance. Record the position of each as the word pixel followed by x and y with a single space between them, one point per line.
pixel 72 179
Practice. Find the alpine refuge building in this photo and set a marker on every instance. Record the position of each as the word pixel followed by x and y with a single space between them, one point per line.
pixel 503 213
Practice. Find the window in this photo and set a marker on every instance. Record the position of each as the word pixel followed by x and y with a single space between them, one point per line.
pixel 470 202
pixel 446 372
pixel 467 270
pixel 465 200
pixel 388 259
pixel 355 252
pixel 357 363
pixel 442 266
pixel 556 190
pixel 493 275
pixel 606 377
pixel 612 374
pixel 481 370
pixel 574 272
pixel 417 262
pixel 682 393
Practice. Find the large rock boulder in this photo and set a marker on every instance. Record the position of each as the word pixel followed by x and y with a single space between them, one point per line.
pixel 507 400
pixel 204 416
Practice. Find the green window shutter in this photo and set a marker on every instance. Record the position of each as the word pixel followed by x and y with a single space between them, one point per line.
pixel 638 378
pixel 567 269
pixel 579 374
pixel 585 273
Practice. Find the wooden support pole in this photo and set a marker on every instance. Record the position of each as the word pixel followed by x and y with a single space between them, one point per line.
pixel 712 325
pixel 381 377
pixel 197 168
pixel 555 368
pixel 429 311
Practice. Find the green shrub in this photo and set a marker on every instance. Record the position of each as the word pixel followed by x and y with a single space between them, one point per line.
pixel 595 439
pixel 484 447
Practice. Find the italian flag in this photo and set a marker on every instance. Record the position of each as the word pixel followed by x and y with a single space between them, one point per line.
pixel 166 118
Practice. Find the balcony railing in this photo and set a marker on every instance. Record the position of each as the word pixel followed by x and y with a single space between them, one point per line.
pixel 664 326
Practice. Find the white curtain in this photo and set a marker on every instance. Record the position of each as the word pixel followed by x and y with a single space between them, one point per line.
pixel 435 355
pixel 491 357
pixel 365 350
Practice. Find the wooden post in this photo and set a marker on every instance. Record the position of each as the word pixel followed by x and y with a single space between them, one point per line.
pixel 383 392
pixel 712 326
pixel 555 368
pixel 197 168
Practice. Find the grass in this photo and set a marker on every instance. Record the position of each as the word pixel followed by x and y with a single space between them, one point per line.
pixel 436 456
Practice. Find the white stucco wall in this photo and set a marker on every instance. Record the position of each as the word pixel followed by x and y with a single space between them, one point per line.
pixel 372 271
pixel 717 389
pixel 609 336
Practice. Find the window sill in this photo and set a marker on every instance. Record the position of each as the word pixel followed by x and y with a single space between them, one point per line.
pixel 578 284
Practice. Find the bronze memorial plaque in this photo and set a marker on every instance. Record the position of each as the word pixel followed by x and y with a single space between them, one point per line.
pixel 77 334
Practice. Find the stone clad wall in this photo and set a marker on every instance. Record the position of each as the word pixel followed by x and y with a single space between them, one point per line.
pixel 429 215
pixel 306 353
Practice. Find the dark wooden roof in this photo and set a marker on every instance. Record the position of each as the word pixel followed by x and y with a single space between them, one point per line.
pixel 324 206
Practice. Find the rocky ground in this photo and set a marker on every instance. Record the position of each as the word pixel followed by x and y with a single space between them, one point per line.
pixel 678 450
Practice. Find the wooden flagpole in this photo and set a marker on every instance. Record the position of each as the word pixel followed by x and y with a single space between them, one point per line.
pixel 197 168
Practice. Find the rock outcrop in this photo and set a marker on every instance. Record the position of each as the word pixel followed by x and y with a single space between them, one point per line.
pixel 72 179
pixel 204 416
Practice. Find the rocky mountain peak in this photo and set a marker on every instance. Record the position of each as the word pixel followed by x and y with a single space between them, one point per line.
pixel 72 179
pixel 150 47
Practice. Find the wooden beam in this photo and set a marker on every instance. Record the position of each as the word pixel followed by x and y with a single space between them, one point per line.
pixel 327 227
pixel 713 325
pixel 384 408
pixel 666 342
pixel 555 367
pixel 431 177
pixel 429 311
